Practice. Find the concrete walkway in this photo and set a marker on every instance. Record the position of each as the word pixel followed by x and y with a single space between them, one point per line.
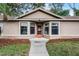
pixel 38 47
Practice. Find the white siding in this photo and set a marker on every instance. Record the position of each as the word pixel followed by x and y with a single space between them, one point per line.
pixel 10 29
pixel 69 28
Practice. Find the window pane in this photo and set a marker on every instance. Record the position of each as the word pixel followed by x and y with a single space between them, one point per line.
pixel 54 24
pixel 24 23
pixel 23 29
pixel 54 29
pixel 46 30
pixel 32 24
pixel 32 30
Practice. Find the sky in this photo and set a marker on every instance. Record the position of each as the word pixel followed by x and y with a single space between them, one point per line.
pixel 67 7
pixel 71 13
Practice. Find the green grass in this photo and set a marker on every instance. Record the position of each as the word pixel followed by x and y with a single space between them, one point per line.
pixel 14 50
pixel 66 48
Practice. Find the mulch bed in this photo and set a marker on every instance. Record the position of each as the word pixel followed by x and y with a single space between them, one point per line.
pixel 4 42
pixel 61 40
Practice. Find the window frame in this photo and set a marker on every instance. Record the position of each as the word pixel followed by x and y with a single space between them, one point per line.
pixel 22 24
pixel 22 29
pixel 44 28
pixel 33 26
pixel 28 28
pixel 58 28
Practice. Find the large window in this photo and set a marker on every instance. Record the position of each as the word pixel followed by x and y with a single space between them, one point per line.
pixel 46 28
pixel 23 28
pixel 32 28
pixel 54 29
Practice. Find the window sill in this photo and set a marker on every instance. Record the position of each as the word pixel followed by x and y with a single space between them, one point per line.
pixel 54 35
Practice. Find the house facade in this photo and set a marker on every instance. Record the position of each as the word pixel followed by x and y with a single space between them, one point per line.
pixel 42 22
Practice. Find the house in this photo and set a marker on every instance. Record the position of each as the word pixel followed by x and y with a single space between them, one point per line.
pixel 41 22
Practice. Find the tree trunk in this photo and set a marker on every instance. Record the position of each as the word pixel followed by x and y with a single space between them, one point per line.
pixel 5 17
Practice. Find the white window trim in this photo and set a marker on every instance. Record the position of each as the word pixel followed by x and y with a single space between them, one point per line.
pixel 43 29
pixel 28 29
pixel 20 28
pixel 35 30
pixel 58 28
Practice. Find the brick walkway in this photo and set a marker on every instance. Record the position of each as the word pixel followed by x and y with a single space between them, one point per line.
pixel 38 47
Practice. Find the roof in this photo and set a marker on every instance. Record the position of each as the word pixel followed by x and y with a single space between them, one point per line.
pixel 71 17
pixel 40 9
pixel 59 18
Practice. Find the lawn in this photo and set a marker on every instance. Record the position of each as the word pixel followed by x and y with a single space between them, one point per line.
pixel 15 50
pixel 65 48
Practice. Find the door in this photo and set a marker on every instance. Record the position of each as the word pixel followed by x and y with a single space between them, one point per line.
pixel 39 28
